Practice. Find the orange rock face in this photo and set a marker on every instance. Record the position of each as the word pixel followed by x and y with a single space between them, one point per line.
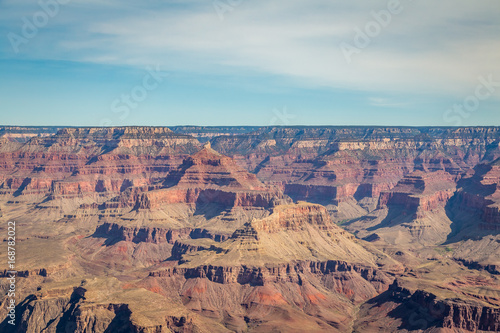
pixel 144 229
pixel 421 191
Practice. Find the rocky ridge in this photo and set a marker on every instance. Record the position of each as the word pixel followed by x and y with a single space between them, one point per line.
pixel 220 237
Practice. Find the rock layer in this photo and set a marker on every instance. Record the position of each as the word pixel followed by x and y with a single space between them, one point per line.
pixel 141 229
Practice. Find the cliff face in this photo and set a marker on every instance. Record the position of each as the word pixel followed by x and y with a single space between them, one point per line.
pixel 307 163
pixel 423 148
pixel 420 192
pixel 482 192
pixel 298 290
pixel 23 134
pixel 233 235
pixel 340 166
pixel 204 133
pixel 416 309
pixel 295 217
pixel 79 309
pixel 209 177
pixel 414 211
pixel 260 276
pixel 273 264
pixel 83 161
pixel 137 235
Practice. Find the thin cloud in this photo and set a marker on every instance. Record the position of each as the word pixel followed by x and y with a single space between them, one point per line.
pixel 385 102
pixel 438 48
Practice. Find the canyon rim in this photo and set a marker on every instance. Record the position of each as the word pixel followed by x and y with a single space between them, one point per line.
pixel 264 166
pixel 192 229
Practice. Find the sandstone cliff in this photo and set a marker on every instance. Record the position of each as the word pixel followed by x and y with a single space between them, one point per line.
pixel 141 229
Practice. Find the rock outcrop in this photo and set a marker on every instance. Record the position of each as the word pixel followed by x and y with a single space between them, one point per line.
pixel 413 212
pixel 326 229
pixel 420 192
pixel 482 192
pixel 416 309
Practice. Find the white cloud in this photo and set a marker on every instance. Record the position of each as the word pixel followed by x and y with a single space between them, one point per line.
pixel 430 47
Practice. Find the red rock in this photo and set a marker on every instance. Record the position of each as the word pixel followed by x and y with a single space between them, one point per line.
pixel 420 191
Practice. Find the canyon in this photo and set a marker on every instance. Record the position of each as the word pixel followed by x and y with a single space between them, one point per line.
pixel 248 229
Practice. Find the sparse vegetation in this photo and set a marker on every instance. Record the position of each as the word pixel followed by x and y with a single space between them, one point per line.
pixel 342 222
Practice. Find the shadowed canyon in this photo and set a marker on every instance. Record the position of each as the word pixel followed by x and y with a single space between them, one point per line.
pixel 247 229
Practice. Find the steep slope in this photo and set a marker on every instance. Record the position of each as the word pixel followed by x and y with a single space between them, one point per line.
pixel 141 229
pixel 207 192
pixel 294 263
pixel 481 193
pixel 295 232
pixel 413 212
pixel 346 168
pixel 80 161
pixel 476 215
pixel 438 296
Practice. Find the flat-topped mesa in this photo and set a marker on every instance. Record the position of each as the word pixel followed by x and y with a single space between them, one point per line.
pixel 420 191
pixel 296 217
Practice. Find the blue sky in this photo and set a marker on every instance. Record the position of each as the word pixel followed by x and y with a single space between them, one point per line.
pixel 249 62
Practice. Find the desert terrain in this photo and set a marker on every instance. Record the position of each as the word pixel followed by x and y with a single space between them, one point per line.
pixel 248 229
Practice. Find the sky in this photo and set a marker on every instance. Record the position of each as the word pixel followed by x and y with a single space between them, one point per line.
pixel 249 62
